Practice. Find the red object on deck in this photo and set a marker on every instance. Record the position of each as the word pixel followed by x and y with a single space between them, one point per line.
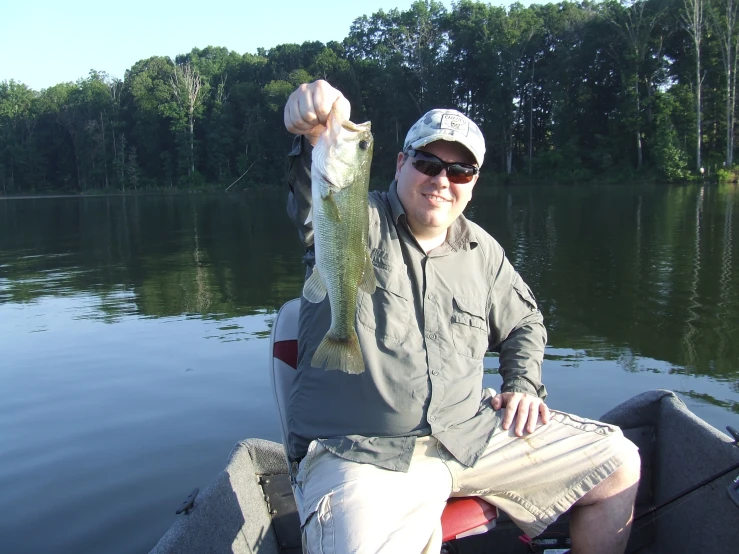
pixel 467 516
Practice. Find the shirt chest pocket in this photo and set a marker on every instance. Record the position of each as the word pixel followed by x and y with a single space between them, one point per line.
pixel 388 310
pixel 469 327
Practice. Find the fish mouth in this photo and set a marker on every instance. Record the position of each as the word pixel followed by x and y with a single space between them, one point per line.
pixel 357 127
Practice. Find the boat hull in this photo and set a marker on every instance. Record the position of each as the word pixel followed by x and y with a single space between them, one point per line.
pixel 249 508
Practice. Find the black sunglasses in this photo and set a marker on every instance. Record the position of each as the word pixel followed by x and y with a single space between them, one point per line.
pixel 431 165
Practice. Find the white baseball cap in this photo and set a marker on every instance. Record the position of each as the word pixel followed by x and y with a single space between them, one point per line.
pixel 448 125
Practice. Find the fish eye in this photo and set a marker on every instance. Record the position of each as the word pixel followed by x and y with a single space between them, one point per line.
pixel 363 144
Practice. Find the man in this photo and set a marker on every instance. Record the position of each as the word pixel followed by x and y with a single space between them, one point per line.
pixel 380 453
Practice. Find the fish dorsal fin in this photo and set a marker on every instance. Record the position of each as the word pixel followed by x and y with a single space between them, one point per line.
pixel 314 289
pixel 368 283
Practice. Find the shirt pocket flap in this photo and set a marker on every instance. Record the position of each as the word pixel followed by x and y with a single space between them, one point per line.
pixel 390 276
pixel 469 312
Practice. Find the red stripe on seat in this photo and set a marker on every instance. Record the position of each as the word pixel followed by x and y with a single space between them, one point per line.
pixel 287 351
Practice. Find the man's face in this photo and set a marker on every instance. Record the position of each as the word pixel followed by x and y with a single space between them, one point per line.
pixel 433 203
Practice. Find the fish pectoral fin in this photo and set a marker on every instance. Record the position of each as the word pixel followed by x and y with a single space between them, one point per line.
pixel 331 207
pixel 314 290
pixel 309 219
pixel 368 283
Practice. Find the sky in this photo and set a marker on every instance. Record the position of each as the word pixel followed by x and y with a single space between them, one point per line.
pixel 46 42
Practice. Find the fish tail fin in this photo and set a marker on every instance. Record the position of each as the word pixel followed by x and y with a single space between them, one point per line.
pixel 343 354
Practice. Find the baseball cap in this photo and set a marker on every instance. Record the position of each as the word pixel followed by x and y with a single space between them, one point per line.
pixel 448 125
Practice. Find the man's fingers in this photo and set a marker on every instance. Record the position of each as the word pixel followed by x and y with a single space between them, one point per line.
pixel 522 417
pixel 545 413
pixel 307 109
pixel 342 108
pixel 293 120
pixel 323 99
pixel 526 411
pixel 533 416
pixel 510 412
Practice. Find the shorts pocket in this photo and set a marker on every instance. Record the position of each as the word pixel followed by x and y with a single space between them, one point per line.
pixel 469 327
pixel 318 531
pixel 388 310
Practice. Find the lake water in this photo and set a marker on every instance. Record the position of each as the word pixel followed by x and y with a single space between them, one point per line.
pixel 134 334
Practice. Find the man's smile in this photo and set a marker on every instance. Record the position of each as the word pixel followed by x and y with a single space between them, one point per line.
pixel 436 199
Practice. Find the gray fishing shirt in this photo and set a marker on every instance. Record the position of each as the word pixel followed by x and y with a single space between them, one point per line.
pixel 423 333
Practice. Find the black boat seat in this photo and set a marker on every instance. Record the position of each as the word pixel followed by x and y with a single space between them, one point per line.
pixel 462 517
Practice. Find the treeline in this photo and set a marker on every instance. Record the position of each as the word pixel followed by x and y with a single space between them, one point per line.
pixel 564 92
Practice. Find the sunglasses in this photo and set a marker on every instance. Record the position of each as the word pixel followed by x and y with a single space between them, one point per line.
pixel 431 165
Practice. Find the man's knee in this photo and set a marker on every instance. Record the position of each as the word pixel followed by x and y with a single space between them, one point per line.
pixel 626 477
pixel 622 483
pixel 630 470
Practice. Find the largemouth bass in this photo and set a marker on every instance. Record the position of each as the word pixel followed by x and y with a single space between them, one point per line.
pixel 340 214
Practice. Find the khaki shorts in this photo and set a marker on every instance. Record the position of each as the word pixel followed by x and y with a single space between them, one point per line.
pixel 347 507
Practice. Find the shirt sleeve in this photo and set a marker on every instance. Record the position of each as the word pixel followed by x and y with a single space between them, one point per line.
pixel 299 200
pixel 517 332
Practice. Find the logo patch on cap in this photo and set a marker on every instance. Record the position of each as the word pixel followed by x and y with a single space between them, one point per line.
pixel 454 123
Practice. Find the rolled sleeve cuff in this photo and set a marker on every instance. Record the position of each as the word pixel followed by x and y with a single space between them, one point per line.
pixel 525 386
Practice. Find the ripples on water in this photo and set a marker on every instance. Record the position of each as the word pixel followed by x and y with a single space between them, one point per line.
pixel 135 334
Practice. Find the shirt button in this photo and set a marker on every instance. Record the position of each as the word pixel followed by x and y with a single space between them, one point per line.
pixel 432 419
pixel 435 372
pixel 431 296
pixel 431 336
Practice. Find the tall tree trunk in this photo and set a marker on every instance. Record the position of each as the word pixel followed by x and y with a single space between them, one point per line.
pixel 735 59
pixel 105 154
pixel 123 162
pixel 635 27
pixel 186 86
pixel 192 143
pixel 698 131
pixel 729 120
pixel 694 19
pixel 638 123
pixel 531 115
pixel 724 26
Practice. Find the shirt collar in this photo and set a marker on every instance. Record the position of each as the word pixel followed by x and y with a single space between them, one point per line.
pixel 460 234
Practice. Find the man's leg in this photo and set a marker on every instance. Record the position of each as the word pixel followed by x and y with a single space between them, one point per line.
pixel 538 477
pixel 348 507
pixel 601 520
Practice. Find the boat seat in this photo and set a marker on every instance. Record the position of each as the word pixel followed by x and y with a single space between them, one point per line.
pixel 462 517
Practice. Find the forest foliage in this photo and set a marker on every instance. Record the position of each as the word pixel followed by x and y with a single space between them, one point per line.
pixel 564 92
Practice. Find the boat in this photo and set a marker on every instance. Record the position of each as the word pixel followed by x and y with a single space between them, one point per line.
pixel 688 498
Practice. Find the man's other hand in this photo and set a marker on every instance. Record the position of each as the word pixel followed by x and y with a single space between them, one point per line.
pixel 307 109
pixel 522 408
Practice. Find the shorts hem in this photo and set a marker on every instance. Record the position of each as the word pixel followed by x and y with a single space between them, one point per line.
pixel 545 518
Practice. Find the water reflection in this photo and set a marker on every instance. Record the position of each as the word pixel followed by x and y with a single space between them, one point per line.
pixel 214 256
pixel 650 269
